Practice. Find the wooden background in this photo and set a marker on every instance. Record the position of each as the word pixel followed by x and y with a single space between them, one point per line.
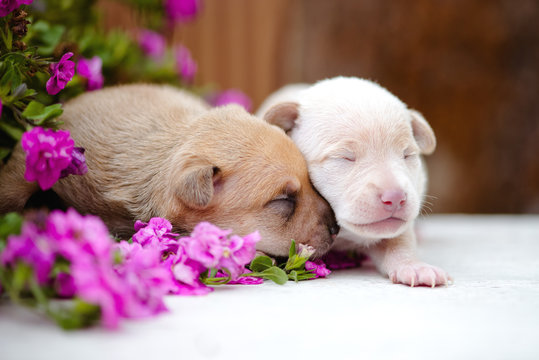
pixel 470 66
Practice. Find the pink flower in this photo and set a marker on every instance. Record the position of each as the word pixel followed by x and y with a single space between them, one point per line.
pixel 91 69
pixel 62 73
pixel 77 166
pixel 48 152
pixel 156 233
pixel 182 10
pixel 212 248
pixel 7 6
pixel 186 272
pixel 79 237
pixel 147 279
pixel 237 252
pixel 152 44
pixel 99 284
pixel 32 247
pixel 185 65
pixel 242 280
pixel 231 96
pixel 318 268
pixel 65 285
pixel 205 244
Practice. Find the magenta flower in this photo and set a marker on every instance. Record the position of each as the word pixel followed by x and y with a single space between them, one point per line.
pixel 231 96
pixel 185 65
pixel 64 285
pixel 147 278
pixel 212 248
pixel 186 272
pixel 182 10
pixel 152 44
pixel 32 247
pixel 7 6
pixel 238 252
pixel 62 73
pixel 77 166
pixel 100 285
pixel 48 152
pixel 205 244
pixel 156 233
pixel 79 237
pixel 91 69
pixel 318 268
pixel 242 280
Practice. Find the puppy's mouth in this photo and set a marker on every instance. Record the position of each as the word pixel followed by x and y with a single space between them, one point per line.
pixel 388 225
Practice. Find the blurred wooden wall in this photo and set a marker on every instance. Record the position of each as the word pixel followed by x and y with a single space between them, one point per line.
pixel 470 66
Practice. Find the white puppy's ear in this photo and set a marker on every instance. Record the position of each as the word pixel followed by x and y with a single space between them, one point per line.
pixel 283 115
pixel 195 184
pixel 423 134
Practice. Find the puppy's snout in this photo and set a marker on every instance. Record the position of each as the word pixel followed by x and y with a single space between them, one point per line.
pixel 334 228
pixel 393 199
pixel 331 222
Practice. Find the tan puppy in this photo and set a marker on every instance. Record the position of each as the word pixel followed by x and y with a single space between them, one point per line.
pixel 158 151
pixel 363 147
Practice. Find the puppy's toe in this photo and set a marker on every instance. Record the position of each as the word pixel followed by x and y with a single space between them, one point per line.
pixel 419 274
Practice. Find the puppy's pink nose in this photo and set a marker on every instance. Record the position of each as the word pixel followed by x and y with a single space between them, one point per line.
pixel 393 199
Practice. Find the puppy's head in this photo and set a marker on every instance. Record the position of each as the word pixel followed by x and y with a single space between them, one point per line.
pixel 244 174
pixel 363 148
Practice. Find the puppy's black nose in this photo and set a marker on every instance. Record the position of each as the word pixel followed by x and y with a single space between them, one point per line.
pixel 334 229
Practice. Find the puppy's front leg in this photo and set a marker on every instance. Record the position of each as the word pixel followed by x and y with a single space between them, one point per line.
pixel 396 258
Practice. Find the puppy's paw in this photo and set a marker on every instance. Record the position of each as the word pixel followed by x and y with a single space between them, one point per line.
pixel 419 274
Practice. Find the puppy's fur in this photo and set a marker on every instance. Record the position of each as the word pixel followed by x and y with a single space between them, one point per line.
pixel 363 147
pixel 157 151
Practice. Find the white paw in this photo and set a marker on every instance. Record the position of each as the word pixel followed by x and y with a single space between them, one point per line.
pixel 419 274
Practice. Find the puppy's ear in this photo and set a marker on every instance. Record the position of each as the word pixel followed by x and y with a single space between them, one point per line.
pixel 423 134
pixel 283 115
pixel 195 184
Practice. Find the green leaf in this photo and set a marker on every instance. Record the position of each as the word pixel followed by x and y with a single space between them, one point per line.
pixel 292 250
pixel 10 224
pixel 295 263
pixel 260 263
pixel 13 131
pixel 47 36
pixel 79 314
pixel 21 277
pixel 274 274
pixel 39 113
pixel 293 275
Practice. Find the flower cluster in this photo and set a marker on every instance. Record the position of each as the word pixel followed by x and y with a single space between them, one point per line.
pixel 131 289
pixel 191 258
pixel 51 155
pixel 7 6
pixel 75 257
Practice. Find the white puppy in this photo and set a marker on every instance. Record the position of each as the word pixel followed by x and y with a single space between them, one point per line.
pixel 363 147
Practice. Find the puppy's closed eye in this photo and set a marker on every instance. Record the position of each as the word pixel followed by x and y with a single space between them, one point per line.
pixel 284 205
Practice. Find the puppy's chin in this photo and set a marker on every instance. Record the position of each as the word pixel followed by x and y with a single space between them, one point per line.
pixel 386 228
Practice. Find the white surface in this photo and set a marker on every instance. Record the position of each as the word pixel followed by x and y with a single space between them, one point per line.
pixel 491 311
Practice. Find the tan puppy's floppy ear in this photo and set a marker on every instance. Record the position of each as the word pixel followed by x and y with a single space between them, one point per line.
pixel 283 115
pixel 195 184
pixel 423 134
